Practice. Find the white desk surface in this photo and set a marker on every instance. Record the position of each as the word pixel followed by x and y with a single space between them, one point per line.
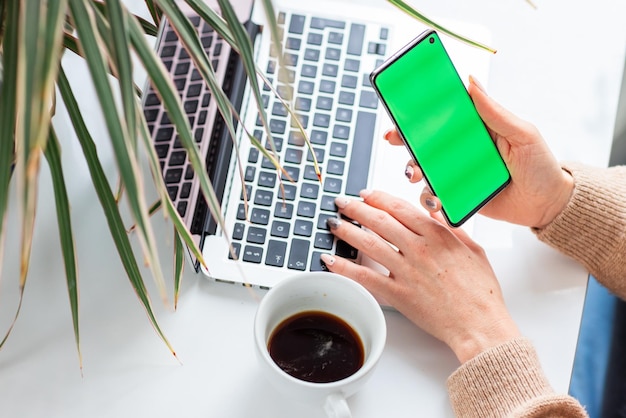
pixel 559 66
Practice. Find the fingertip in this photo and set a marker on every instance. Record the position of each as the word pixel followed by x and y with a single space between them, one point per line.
pixel 430 202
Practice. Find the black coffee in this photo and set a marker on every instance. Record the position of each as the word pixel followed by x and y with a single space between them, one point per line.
pixel 316 347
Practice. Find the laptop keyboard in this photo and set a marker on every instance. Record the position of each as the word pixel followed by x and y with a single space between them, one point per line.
pixel 327 79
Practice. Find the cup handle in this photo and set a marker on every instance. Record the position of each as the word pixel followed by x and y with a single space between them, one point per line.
pixel 336 406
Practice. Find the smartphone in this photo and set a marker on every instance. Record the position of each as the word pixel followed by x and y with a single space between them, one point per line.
pixel 431 109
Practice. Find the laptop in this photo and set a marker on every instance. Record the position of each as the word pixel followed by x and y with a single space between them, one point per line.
pixel 330 48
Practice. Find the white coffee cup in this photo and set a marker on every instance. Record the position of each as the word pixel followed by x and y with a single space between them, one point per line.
pixel 334 294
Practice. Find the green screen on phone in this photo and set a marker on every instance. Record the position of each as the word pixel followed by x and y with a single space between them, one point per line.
pixel 434 114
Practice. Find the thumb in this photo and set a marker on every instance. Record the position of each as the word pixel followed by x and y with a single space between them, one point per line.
pixel 499 120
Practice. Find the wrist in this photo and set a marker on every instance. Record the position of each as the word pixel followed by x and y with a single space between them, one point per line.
pixel 559 200
pixel 476 342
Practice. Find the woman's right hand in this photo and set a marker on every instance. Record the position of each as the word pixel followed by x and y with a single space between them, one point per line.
pixel 539 188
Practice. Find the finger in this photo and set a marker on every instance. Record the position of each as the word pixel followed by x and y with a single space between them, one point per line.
pixel 413 172
pixel 378 284
pixel 393 137
pixel 430 202
pixel 498 119
pixel 404 212
pixel 367 242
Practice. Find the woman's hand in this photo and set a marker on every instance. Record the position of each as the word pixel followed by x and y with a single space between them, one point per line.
pixel 439 278
pixel 539 189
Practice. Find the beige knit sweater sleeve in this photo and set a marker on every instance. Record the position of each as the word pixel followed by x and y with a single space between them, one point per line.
pixel 507 380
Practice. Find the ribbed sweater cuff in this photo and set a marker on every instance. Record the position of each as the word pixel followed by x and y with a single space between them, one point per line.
pixel 498 381
pixel 592 226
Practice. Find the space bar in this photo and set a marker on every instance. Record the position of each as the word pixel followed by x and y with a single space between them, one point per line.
pixel 361 153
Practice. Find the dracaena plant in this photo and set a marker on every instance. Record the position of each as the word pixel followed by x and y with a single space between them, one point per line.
pixel 34 36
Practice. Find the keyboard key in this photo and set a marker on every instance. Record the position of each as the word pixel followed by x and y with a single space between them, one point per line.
pixel 168 51
pixel 355 40
pixel 289 192
pixel 319 155
pixel 306 87
pixel 161 150
pixel 293 43
pixel 310 190
pixel 322 120
pixel 241 212
pixel 333 54
pixel 185 191
pixel 277 126
pixel 328 203
pixel 335 38
pixel 164 134
pixel 256 235
pixel 260 216
pixel 296 138
pixel 252 254
pixel 341 132
pixel 352 65
pixel 238 231
pixel 324 103
pixel 151 114
pixel 321 221
pixel 316 262
pixel 309 173
pixel 366 81
pixel 266 179
pixel 182 208
pixel 178 158
pixel 346 98
pixel 319 137
pixel 323 241
pixel 290 60
pixel 293 172
pixel 278 109
pixel 330 70
pixel 335 167
pixel 173 175
pixel 249 173
pixel 248 194
pixel 349 81
pixel 309 71
pixel 306 209
pixel 361 151
pixel 338 149
pixel 172 191
pixel 293 155
pixel 327 86
pixel 253 155
pixel 296 25
pixel 236 249
pixel 345 250
pixel 320 23
pixel 314 38
pixel 333 185
pixel 263 197
pixel 343 115
pixel 298 255
pixel 276 253
pixel 311 54
pixel 182 68
pixel 303 228
pixel 303 103
pixel 368 100
pixel 283 210
pixel 280 229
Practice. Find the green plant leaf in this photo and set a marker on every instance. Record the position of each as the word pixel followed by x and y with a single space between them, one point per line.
pixel 94 49
pixel 179 264
pixel 109 206
pixel 400 4
pixel 154 12
pixel 66 235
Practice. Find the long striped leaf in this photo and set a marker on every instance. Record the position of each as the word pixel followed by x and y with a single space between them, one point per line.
pixel 109 206
pixel 85 19
pixel 53 156
pixel 8 93
pixel 400 4
pixel 179 263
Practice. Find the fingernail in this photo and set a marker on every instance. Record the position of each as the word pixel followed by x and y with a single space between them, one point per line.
pixel 408 172
pixel 365 193
pixel 333 222
pixel 474 81
pixel 327 259
pixel 430 203
pixel 387 134
pixel 342 202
